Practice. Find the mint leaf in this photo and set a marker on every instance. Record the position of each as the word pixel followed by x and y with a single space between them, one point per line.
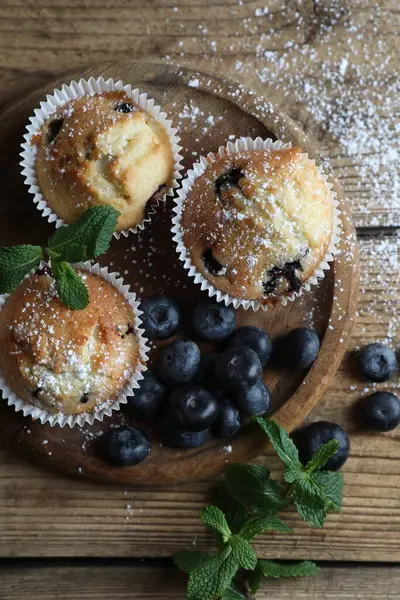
pixel 311 507
pixel 213 576
pixel 331 487
pixel 85 239
pixel 322 455
pixel 257 525
pixel 251 485
pixel 188 560
pixel 270 568
pixel 15 263
pixel 255 578
pixel 281 442
pixel 243 553
pixel 70 286
pixel 234 511
pixel 233 594
pixel 213 517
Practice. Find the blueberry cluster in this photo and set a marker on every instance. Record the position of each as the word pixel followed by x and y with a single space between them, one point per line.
pixel 379 411
pixel 196 396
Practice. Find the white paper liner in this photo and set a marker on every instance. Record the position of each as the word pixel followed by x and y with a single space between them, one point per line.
pixel 59 418
pixel 90 87
pixel 240 145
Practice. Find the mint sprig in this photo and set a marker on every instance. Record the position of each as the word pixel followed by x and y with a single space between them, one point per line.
pixel 85 239
pixel 245 505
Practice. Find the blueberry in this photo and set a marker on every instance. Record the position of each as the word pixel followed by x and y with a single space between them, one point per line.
pixel 205 372
pixel 212 265
pixel 53 130
pixel 237 367
pixel 124 446
pixel 148 399
pixel 377 362
pixel 213 322
pixel 253 401
pixel 179 362
pixel 192 408
pixel 253 337
pixel 298 349
pixel 161 317
pixel 380 411
pixel 229 419
pixel 124 107
pixel 184 439
pixel 308 439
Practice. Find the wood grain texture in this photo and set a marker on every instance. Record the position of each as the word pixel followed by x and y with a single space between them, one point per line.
pixel 46 515
pixel 142 260
pixel 39 38
pixel 153 582
pixel 42 514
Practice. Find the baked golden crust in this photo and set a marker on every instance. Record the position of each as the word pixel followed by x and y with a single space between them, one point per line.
pixel 258 223
pixel 90 153
pixel 62 360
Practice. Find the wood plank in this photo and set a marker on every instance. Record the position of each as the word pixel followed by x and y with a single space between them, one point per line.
pixel 164 583
pixel 332 66
pixel 45 515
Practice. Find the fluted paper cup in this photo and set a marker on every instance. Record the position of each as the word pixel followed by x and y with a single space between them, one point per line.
pixel 245 144
pixel 107 407
pixel 79 89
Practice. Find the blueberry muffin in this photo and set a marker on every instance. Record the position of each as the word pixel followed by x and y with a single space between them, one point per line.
pixel 257 223
pixel 62 360
pixel 103 149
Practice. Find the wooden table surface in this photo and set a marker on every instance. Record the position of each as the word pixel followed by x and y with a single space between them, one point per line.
pixel 333 66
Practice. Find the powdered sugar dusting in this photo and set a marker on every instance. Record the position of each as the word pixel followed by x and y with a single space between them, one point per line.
pixel 333 68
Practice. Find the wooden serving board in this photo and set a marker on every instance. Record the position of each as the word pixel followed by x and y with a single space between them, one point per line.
pixel 208 112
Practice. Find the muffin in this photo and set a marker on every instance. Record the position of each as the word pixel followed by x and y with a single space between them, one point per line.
pixel 65 361
pixel 103 150
pixel 256 224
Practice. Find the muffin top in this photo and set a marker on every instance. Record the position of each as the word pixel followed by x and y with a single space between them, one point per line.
pixel 63 360
pixel 102 149
pixel 258 223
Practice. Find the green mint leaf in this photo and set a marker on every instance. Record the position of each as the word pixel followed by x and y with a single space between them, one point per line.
pixel 234 511
pixel 188 560
pixel 311 507
pixel 243 553
pixel 270 568
pixel 210 580
pixel 85 239
pixel 255 578
pixel 213 517
pixel 70 286
pixel 251 485
pixel 330 485
pixel 233 594
pixel 15 263
pixel 258 525
pixel 322 455
pixel 281 442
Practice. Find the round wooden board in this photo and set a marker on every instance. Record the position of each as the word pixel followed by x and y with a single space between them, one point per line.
pixel 207 111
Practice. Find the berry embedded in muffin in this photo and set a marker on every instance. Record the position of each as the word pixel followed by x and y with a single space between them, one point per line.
pixel 103 150
pixel 62 360
pixel 258 223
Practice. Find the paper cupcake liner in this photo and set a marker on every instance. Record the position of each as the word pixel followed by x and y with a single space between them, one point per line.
pixel 107 407
pixel 243 144
pixel 91 87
